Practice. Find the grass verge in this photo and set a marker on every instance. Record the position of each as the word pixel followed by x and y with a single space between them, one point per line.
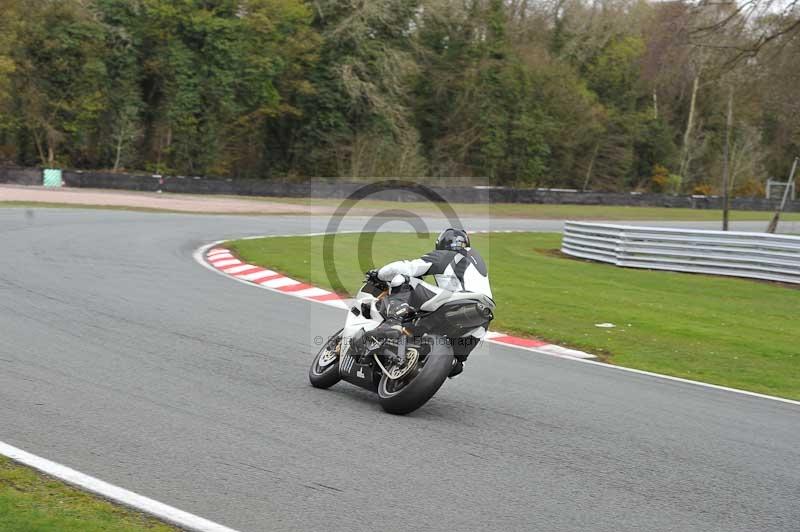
pixel 726 331
pixel 32 502
pixel 550 212
pixel 497 210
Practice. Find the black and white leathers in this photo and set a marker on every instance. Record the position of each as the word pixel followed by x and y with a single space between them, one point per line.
pixel 456 271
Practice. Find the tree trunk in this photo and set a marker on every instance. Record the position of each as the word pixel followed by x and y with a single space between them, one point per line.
pixel 655 104
pixel 119 147
pixel 726 162
pixel 687 135
pixel 591 166
pixel 39 148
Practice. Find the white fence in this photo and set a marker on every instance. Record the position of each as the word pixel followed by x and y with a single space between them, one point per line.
pixel 738 254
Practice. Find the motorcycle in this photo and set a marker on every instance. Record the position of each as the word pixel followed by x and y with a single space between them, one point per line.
pixel 408 370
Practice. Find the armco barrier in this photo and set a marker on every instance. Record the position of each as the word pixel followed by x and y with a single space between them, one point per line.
pixel 733 253
pixel 326 188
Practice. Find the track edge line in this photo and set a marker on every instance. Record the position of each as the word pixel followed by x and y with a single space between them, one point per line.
pixel 111 492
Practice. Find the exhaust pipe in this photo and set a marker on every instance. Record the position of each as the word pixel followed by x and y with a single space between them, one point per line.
pixel 470 315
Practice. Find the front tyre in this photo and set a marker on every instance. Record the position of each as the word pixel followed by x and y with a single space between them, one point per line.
pixel 324 371
pixel 405 395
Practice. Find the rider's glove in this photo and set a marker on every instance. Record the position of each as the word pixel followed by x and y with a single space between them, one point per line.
pixel 399 280
pixel 372 276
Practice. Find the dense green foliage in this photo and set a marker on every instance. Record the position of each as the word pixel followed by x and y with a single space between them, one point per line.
pixel 725 331
pixel 610 95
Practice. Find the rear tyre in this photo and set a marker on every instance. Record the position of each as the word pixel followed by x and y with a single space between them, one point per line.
pixel 411 392
pixel 324 371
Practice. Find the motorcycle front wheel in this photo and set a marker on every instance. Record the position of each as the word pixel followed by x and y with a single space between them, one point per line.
pixel 324 371
pixel 404 395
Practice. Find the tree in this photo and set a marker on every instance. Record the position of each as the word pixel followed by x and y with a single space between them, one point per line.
pixel 569 93
pixel 121 124
pixel 359 116
pixel 776 82
pixel 210 76
pixel 758 25
pixel 7 67
pixel 59 76
pixel 482 106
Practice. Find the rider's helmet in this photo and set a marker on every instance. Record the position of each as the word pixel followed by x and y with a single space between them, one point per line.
pixel 452 240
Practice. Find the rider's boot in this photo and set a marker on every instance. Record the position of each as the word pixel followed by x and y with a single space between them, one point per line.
pixel 462 347
pixel 458 367
pixel 390 329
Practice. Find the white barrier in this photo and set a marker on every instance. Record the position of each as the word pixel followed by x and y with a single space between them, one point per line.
pixel 734 253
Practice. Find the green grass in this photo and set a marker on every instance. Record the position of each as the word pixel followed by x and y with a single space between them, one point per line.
pixel 726 331
pixel 30 502
pixel 498 210
pixel 550 212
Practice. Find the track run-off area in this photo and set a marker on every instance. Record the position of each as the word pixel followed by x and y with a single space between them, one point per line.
pixel 122 358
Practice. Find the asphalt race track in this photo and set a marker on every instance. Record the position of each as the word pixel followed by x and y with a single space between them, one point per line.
pixel 123 358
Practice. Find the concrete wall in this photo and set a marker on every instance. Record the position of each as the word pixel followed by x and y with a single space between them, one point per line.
pixel 336 189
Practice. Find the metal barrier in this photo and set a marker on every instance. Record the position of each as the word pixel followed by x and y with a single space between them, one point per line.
pixel 738 254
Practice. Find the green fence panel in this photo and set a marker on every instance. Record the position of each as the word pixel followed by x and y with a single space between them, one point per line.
pixel 52 178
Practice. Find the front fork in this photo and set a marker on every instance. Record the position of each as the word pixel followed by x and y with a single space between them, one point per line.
pixel 400 355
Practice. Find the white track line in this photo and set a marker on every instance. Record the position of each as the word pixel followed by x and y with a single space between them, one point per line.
pixel 199 257
pixel 128 498
pixel 687 381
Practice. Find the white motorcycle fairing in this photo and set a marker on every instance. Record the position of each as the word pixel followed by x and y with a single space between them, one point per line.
pixel 356 320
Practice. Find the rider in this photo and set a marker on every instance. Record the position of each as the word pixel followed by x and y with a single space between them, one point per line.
pixel 456 267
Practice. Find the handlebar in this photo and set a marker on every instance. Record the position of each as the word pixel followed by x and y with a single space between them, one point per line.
pixel 372 277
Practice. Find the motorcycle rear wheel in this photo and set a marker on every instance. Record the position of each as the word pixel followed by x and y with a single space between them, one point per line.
pixel 423 384
pixel 327 375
